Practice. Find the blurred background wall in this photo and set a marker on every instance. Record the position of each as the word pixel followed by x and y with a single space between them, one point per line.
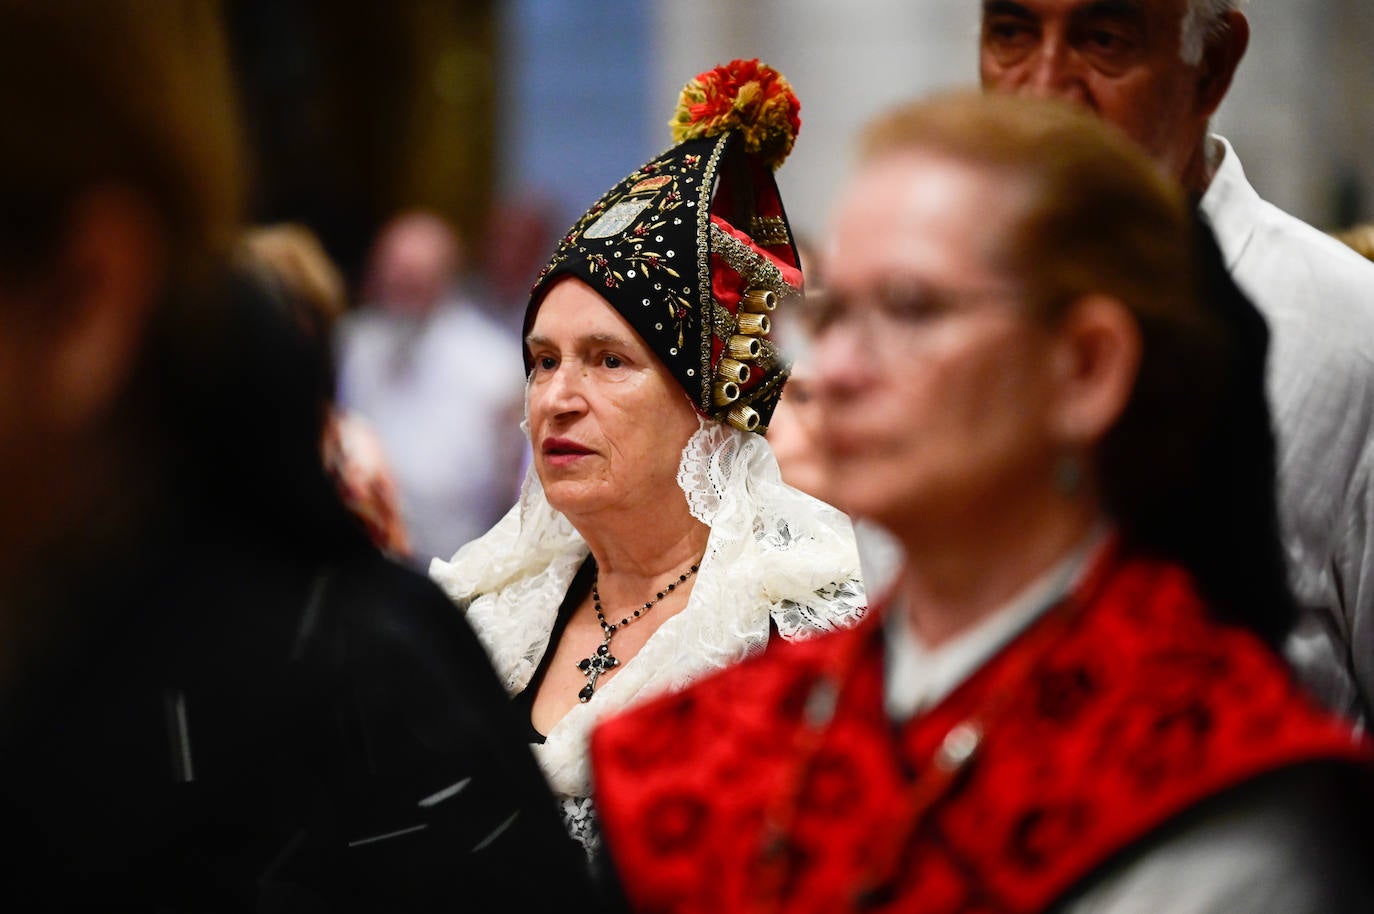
pixel 362 109
pixel 356 110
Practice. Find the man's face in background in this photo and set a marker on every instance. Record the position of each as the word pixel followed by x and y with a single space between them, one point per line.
pixel 1118 58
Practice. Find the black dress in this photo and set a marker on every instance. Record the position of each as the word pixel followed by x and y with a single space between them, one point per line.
pixel 523 703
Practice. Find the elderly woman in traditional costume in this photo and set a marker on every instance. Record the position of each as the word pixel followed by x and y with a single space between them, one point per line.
pixel 654 541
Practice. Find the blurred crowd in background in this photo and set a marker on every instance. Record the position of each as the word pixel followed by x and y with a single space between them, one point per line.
pixel 418 139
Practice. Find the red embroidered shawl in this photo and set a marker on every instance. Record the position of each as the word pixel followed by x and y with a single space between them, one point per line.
pixel 730 797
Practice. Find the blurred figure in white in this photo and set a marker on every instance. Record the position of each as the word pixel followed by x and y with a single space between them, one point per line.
pixel 431 372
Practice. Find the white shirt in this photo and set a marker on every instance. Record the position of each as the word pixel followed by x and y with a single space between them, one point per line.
pixel 916 678
pixel 1318 299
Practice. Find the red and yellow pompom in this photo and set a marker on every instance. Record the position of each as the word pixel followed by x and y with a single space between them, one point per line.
pixel 743 95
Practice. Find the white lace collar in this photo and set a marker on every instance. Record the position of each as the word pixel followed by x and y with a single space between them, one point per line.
pixel 772 551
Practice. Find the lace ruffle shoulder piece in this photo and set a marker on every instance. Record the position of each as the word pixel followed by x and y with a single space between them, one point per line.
pixel 772 551
pixel 579 818
pixel 833 607
pixel 528 537
pixel 805 548
pixel 514 578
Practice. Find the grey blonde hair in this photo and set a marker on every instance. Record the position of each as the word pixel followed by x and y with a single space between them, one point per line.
pixel 1201 21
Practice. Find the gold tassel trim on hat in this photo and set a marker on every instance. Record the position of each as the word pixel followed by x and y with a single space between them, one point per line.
pixel 754 324
pixel 756 300
pixel 733 370
pixel 744 347
pixel 744 418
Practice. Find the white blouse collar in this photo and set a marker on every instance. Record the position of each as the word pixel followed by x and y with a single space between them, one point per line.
pixel 916 678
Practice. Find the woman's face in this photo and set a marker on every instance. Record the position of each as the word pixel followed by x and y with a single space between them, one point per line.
pixel 935 383
pixel 607 421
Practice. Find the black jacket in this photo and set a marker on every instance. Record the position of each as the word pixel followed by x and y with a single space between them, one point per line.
pixel 243 707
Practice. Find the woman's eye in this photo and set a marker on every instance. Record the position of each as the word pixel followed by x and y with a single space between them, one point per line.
pixel 546 363
pixel 611 361
pixel 910 309
pixel 819 313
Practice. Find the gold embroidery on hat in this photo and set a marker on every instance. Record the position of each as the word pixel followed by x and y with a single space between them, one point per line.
pixel 651 184
pixel 723 322
pixel 769 230
pixel 757 270
pixel 769 355
pixel 746 349
pixel 705 234
pixel 618 218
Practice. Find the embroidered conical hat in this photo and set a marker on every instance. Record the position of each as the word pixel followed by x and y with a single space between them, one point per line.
pixel 693 248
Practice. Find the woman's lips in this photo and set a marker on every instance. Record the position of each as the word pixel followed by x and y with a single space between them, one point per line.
pixel 561 451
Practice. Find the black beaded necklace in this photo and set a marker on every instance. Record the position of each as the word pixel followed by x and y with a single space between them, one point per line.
pixel 592 667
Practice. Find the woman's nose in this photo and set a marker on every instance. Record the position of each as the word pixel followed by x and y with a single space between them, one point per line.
pixel 567 388
pixel 842 361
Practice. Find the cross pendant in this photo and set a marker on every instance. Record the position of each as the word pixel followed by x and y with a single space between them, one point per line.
pixel 592 667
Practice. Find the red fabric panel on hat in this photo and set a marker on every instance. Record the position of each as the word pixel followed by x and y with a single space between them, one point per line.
pixel 728 287
pixel 790 273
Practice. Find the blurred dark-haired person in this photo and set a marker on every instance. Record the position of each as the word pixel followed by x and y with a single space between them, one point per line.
pixel 215 695
pixel 293 263
pixel 1036 375
pixel 1158 69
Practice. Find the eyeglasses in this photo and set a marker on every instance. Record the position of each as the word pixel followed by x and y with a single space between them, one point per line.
pixel 897 308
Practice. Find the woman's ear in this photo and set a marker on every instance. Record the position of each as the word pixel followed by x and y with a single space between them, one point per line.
pixel 112 263
pixel 1095 363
